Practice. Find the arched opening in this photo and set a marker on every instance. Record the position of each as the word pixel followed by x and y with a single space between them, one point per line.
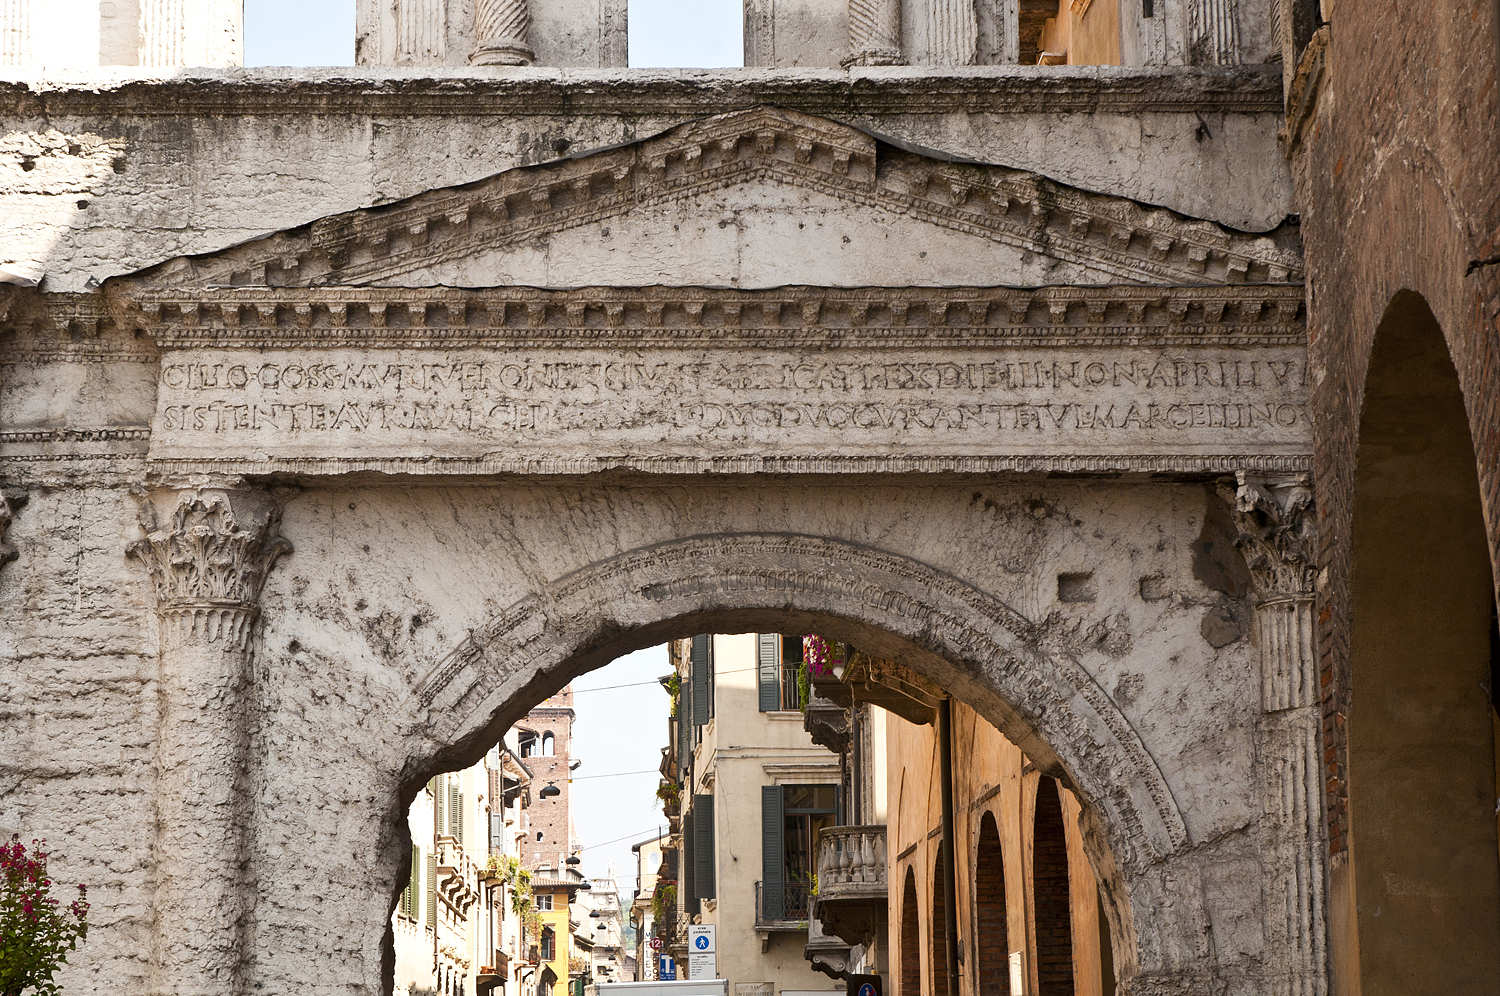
pixel 478 700
pixel 1051 899
pixel 992 937
pixel 549 745
pixel 937 940
pixel 911 937
pixel 1423 869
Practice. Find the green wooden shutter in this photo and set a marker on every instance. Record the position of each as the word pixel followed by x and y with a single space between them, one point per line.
pixel 432 891
pixel 437 786
pixel 703 846
pixel 685 889
pixel 458 816
pixel 770 690
pixel 409 899
pixel 454 814
pixel 702 687
pixel 685 730
pixel 772 859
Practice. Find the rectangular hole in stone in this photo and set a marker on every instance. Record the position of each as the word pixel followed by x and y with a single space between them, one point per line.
pixel 1078 587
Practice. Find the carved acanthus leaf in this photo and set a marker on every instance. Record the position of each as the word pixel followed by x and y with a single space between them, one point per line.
pixel 216 548
pixel 1276 532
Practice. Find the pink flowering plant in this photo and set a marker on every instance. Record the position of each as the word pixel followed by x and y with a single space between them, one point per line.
pixel 36 930
pixel 818 654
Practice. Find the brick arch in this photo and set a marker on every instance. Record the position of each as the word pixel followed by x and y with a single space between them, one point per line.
pixel 910 938
pixel 937 936
pixel 1052 914
pixel 992 929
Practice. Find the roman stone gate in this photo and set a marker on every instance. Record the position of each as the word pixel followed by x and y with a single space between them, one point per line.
pixel 304 520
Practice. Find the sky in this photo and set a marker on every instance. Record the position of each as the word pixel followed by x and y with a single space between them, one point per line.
pixel 618 730
pixel 687 34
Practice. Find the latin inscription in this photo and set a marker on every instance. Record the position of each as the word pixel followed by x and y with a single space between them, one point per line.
pixel 679 402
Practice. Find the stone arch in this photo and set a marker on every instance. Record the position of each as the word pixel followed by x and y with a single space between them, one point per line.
pixel 1423 884
pixel 966 640
pixel 972 644
pixel 991 927
pixel 910 938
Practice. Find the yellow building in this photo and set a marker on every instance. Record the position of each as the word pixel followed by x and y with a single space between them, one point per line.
pixel 553 892
pixel 1026 912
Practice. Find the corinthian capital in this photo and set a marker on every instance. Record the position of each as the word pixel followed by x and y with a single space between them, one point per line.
pixel 208 557
pixel 1276 527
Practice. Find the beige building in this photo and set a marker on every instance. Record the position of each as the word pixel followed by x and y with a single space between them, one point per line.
pixel 755 792
pixel 456 929
pixel 651 868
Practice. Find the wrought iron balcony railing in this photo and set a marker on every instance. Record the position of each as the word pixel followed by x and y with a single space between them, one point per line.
pixel 781 907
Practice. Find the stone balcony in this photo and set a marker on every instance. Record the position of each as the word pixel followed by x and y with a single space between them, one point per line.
pixel 852 883
pixel 457 874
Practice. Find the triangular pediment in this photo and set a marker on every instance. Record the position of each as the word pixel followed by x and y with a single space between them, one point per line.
pixel 757 198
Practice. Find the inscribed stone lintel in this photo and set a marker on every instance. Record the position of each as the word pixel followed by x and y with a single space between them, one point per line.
pixel 755 401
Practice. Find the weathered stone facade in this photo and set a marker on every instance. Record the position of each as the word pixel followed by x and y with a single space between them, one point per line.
pixel 1001 372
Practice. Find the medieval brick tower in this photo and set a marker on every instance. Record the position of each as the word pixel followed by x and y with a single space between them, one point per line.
pixel 547 746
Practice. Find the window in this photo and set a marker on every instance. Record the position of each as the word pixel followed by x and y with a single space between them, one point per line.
pixel 792 817
pixel 528 743
pixel 411 895
pixel 780 662
pixel 544 901
pixel 548 744
pixel 549 943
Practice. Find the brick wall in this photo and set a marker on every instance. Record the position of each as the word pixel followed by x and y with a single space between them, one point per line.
pixel 1397 174
pixel 1052 902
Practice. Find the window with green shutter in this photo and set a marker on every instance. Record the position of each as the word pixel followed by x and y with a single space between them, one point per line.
pixel 704 865
pixel 769 668
pixel 432 891
pixel 413 885
pixel 772 859
pixel 702 685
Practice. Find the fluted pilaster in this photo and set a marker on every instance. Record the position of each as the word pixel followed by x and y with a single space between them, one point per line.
pixel 208 552
pixel 502 27
pixel 952 32
pixel 874 33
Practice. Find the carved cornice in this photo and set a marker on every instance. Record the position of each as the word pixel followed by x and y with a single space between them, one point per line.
pixel 204 93
pixel 1020 209
pixel 878 316
pixel 209 560
pixel 1274 516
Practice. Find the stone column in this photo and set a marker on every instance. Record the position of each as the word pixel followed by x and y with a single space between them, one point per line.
pixel 208 554
pixel 952 33
pixel 502 27
pixel 1276 535
pixel 874 33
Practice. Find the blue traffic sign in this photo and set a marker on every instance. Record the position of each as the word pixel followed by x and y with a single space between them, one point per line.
pixel 866 990
pixel 701 943
pixel 667 971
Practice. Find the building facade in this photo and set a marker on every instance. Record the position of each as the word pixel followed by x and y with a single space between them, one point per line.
pixel 651 869
pixel 755 791
pixel 457 929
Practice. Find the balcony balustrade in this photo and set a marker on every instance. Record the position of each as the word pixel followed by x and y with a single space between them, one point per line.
pixel 781 908
pixel 853 891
